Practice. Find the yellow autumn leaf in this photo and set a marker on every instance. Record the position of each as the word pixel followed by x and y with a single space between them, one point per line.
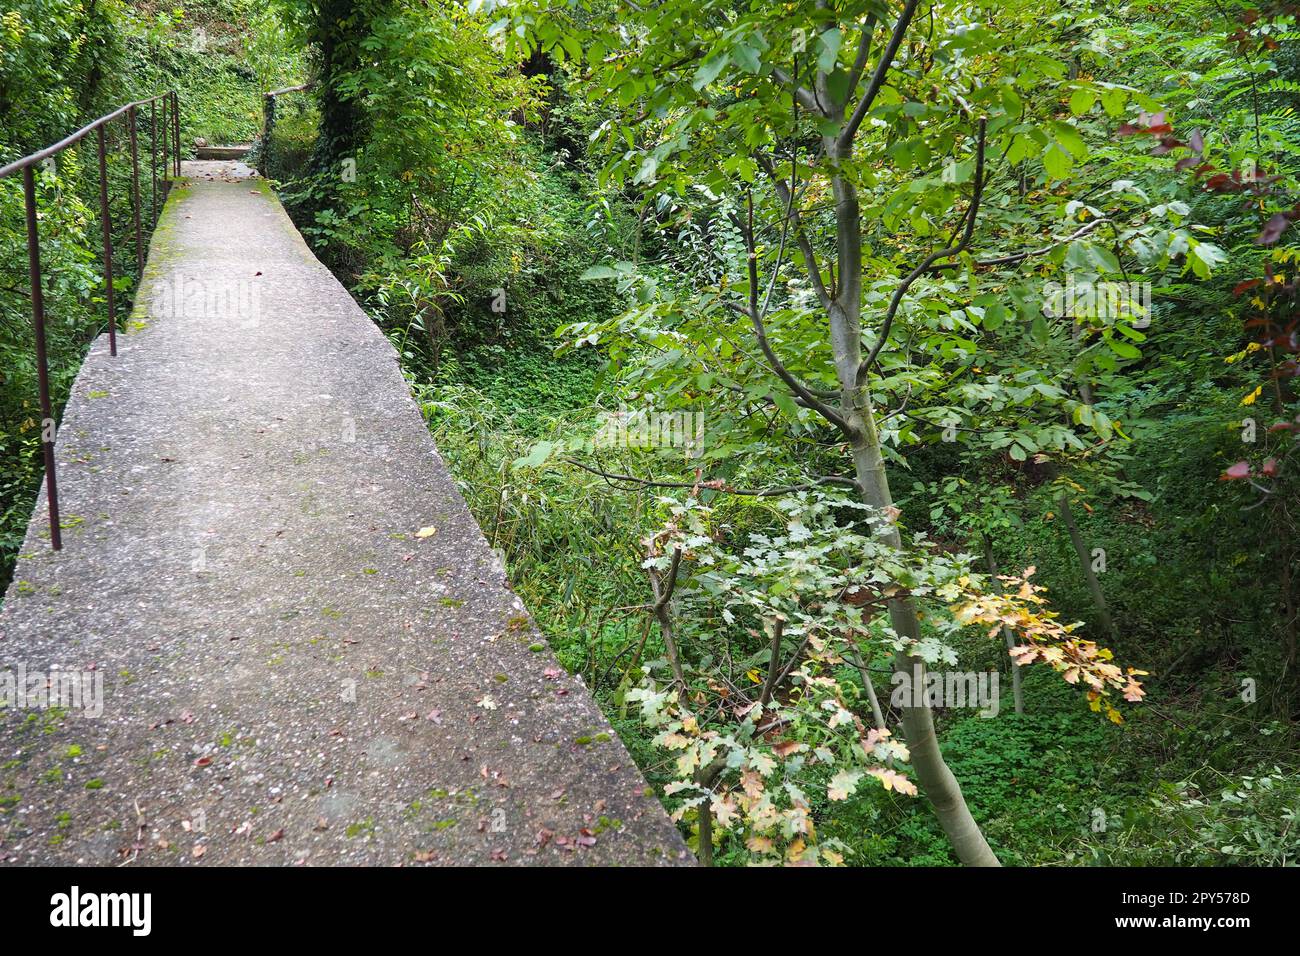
pixel 426 532
pixel 1250 399
pixel 1250 347
pixel 760 844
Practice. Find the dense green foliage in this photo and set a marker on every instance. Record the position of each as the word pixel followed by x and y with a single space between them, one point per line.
pixel 551 209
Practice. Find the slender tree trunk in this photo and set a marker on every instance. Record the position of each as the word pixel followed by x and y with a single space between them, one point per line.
pixel 773 665
pixel 705 778
pixel 704 852
pixel 877 716
pixel 844 311
pixel 663 593
pixel 1016 691
pixel 940 786
pixel 1085 563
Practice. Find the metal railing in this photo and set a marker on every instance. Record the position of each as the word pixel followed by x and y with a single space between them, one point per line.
pixel 164 112
pixel 264 152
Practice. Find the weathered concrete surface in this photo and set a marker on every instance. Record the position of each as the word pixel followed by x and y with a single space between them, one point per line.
pixel 205 169
pixel 291 672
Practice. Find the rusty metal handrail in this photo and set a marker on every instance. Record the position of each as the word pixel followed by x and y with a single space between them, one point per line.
pixel 301 87
pixel 268 122
pixel 170 109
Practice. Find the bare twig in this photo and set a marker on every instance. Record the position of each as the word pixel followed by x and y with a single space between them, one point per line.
pixel 718 485
pixel 785 195
pixel 760 331
pixel 663 592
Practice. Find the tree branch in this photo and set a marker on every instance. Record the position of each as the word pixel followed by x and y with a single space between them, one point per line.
pixel 802 95
pixel 663 592
pixel 717 484
pixel 971 214
pixel 864 52
pixel 845 139
pixel 1018 257
pixel 801 237
pixel 760 331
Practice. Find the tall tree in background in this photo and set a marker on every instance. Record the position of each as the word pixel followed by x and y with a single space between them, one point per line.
pixel 336 32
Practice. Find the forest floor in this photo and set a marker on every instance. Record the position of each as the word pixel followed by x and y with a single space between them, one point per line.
pixel 292 641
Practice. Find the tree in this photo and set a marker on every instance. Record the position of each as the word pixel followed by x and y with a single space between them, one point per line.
pixel 780 120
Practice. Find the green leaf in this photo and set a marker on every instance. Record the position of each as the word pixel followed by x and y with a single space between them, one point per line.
pixel 786 404
pixel 536 456
pixel 1205 256
pixel 1057 161
pixel 1123 349
pixel 830 41
pixel 1070 139
pixel 709 71
pixel 1082 100
pixel 746 57
pixel 1113 101
pixel 994 316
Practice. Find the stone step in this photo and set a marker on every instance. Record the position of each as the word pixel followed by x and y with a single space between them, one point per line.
pixel 221 152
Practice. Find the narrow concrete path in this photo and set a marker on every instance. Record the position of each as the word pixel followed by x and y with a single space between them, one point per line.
pixel 307 652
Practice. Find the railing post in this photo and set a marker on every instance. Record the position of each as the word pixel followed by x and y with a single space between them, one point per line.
pixel 176 123
pixel 166 144
pixel 108 243
pixel 153 156
pixel 42 361
pixel 268 126
pixel 135 197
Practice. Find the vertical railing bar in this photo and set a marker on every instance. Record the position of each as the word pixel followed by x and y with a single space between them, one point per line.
pixel 166 156
pixel 42 360
pixel 108 242
pixel 135 197
pixel 153 157
pixel 176 121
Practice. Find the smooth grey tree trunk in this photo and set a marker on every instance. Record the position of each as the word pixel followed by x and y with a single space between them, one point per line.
pixel 854 416
pixel 940 786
